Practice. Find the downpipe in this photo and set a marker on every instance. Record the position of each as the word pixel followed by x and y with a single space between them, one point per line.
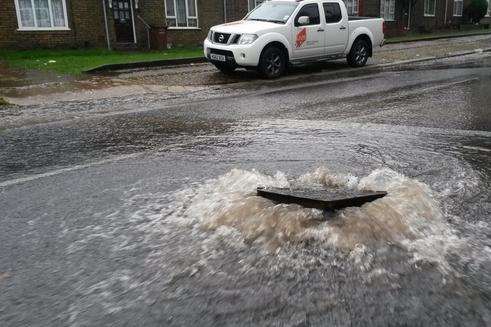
pixel 105 24
pixel 224 11
pixel 446 10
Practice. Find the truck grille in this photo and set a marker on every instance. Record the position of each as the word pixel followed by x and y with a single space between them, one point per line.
pixel 225 53
pixel 221 38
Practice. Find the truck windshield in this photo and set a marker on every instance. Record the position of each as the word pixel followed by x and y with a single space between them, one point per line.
pixel 273 11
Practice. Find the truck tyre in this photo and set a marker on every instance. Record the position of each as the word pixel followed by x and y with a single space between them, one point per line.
pixel 227 69
pixel 359 53
pixel 272 63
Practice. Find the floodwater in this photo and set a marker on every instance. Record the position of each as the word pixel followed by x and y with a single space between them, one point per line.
pixel 171 233
pixel 212 253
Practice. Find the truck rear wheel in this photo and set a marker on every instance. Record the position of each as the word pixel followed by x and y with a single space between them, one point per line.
pixel 272 63
pixel 359 53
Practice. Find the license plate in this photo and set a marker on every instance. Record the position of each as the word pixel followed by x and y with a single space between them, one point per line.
pixel 217 57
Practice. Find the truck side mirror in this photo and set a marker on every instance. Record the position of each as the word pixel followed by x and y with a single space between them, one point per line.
pixel 303 20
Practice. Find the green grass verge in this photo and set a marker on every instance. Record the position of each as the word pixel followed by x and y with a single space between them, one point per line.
pixel 3 102
pixel 420 37
pixel 76 61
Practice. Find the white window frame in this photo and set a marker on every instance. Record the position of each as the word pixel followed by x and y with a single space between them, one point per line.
pixel 489 9
pixel 52 28
pixel 461 8
pixel 187 17
pixel 356 9
pixel 434 9
pixel 383 5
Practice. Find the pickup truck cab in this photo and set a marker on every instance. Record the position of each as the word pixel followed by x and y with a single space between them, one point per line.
pixel 282 32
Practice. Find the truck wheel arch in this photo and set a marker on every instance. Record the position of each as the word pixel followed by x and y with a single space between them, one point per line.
pixel 363 33
pixel 279 45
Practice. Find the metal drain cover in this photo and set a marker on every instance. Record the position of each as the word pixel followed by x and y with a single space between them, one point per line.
pixel 320 198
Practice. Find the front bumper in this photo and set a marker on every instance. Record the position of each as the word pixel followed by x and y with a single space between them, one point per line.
pixel 239 55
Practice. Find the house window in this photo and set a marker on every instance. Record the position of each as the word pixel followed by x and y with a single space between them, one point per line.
pixel 387 9
pixel 352 7
pixel 181 13
pixel 430 7
pixel 41 14
pixel 458 6
pixel 489 8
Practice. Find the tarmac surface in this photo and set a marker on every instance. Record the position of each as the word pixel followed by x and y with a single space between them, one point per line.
pixel 141 210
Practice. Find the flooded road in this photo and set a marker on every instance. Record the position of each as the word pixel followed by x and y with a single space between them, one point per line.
pixel 150 218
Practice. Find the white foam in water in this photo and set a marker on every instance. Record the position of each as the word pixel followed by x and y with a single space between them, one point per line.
pixel 409 216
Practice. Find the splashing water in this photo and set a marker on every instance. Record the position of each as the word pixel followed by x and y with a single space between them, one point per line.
pixel 408 217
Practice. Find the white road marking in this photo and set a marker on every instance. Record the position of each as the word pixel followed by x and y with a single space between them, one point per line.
pixel 65 170
pixel 92 164
pixel 476 148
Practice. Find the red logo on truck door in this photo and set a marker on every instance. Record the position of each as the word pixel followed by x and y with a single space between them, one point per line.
pixel 301 37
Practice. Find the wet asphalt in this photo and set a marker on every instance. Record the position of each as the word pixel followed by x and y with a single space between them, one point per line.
pixel 84 204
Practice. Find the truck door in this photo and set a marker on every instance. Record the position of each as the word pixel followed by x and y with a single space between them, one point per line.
pixel 336 28
pixel 308 39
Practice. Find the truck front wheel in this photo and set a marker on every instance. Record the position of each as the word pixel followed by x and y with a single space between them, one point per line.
pixel 272 63
pixel 358 54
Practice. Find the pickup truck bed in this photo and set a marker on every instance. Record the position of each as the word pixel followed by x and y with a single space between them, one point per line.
pixel 360 18
pixel 368 23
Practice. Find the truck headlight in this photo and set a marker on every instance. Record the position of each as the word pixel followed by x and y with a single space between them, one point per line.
pixel 210 35
pixel 247 39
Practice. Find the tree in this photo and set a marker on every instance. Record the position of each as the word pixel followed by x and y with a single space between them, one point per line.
pixel 476 10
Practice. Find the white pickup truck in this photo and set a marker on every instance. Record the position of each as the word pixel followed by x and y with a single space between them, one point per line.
pixel 280 32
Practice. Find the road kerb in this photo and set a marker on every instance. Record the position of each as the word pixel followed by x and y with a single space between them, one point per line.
pixel 452 55
pixel 108 68
pixel 437 37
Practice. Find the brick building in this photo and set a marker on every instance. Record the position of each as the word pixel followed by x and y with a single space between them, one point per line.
pixel 419 15
pixel 59 25
pixel 132 23
pixel 119 23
